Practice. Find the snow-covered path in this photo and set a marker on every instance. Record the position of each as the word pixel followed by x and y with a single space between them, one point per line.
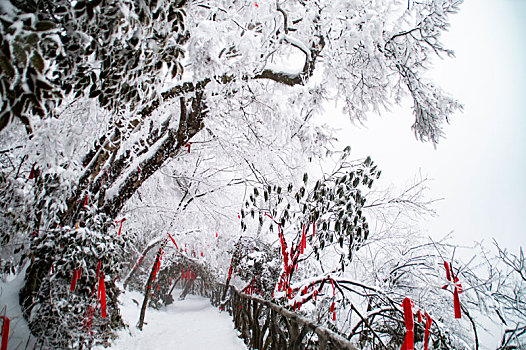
pixel 192 324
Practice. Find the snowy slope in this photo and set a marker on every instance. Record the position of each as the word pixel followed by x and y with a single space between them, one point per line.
pixel 186 324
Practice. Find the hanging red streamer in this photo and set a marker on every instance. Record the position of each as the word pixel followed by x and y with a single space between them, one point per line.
pixel 230 270
pixel 120 226
pixel 32 173
pixel 457 289
pixel 419 314
pixel 76 276
pixel 86 200
pixel 102 295
pixel 188 145
pixel 456 303
pixel 88 320
pixel 429 321
pixel 448 271
pixel 5 332
pixel 173 240
pixel 409 325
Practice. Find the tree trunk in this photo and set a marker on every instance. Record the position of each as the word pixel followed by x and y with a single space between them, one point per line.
pixel 148 288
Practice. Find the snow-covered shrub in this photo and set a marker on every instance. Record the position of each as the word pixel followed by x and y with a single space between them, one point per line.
pixel 67 312
pixel 257 263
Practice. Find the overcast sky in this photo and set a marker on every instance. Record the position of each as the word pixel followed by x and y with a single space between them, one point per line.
pixel 480 168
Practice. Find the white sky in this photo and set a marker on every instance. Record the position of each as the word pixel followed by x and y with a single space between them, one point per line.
pixel 480 168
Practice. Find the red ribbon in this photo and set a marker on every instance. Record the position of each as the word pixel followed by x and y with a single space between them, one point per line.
pixel 230 270
pixel 32 173
pixel 429 321
pixel 448 271
pixel 120 226
pixel 452 279
pixel 76 277
pixel 173 240
pixel 456 303
pixel 409 325
pixel 101 294
pixel 188 145
pixel 158 264
pixel 88 321
pixel 5 332
pixel 419 314
pixel 303 240
pixel 86 200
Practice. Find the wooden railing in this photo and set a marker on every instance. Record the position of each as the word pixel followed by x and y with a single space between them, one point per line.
pixel 264 325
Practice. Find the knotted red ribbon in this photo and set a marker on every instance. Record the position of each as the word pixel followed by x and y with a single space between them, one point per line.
pixel 429 321
pixel 188 145
pixel 409 325
pixel 419 314
pixel 5 332
pixel 457 289
pixel 120 226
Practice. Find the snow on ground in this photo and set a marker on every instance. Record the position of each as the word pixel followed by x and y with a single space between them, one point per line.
pixel 192 324
pixel 18 329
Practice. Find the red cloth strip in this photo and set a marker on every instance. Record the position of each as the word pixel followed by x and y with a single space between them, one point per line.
pixel 456 302
pixel 5 332
pixel 313 228
pixel 230 270
pixel 98 268
pixel 32 173
pixel 73 281
pixel 102 289
pixel 409 325
pixel 448 271
pixel 303 242
pixel 419 314
pixel 429 321
pixel 120 226
pixel 173 240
